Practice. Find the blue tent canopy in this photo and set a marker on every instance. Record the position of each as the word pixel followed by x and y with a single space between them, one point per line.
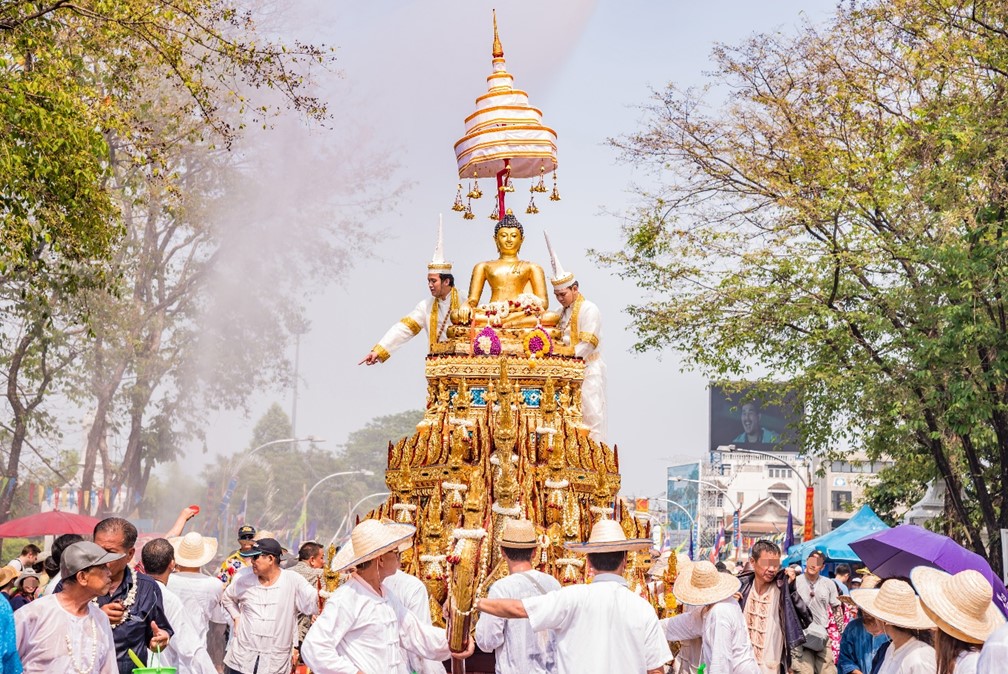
pixel 836 544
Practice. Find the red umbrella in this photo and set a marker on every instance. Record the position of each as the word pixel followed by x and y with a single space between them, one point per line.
pixel 52 522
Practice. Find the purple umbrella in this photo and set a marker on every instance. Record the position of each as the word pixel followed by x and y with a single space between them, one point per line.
pixel 896 551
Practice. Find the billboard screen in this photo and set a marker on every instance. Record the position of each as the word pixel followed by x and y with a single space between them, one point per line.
pixel 683 493
pixel 740 416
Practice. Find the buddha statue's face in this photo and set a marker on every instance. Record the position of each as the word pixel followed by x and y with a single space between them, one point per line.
pixel 509 240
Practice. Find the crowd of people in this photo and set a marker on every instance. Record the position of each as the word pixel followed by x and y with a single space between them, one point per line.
pixel 98 607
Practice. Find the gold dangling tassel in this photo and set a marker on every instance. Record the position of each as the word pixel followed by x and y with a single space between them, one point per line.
pixel 496 213
pixel 468 215
pixel 458 206
pixel 555 195
pixel 474 191
pixel 541 185
pixel 532 209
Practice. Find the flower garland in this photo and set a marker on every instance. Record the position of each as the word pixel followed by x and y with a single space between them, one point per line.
pixel 501 510
pixel 405 511
pixel 86 667
pixel 604 511
pixel 556 484
pixel 461 536
pixel 434 566
pixel 129 599
pixel 537 343
pixel 496 461
pixel 487 343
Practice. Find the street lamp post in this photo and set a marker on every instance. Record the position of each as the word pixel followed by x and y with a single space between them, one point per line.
pixel 722 491
pixel 345 522
pixel 809 531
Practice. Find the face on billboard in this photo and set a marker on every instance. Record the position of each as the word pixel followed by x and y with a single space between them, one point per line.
pixel 740 416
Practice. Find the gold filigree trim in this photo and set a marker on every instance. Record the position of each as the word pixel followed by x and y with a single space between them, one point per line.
pixel 413 326
pixel 588 337
pixel 383 354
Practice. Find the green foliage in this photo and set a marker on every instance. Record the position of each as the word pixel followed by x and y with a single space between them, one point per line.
pixel 839 221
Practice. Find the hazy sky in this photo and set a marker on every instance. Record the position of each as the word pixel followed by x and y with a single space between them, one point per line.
pixel 413 70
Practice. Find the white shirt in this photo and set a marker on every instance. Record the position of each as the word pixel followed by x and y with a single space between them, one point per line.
pixel 267 620
pixel 412 593
pixel 43 627
pixel 913 657
pixel 726 646
pixel 966 663
pixel 600 627
pixel 418 321
pixel 186 650
pixel 201 595
pixel 16 563
pixel 994 654
pixel 360 630
pixel 51 585
pixel 517 649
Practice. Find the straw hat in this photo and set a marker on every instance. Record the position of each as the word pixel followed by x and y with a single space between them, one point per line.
pixel 868 582
pixel 519 534
pixel 608 536
pixel 960 605
pixel 700 583
pixel 895 603
pixel 404 529
pixel 193 550
pixel 371 539
pixel 7 574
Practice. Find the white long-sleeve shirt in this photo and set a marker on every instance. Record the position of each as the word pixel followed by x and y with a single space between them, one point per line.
pixel 581 324
pixel 517 649
pixel 266 618
pixel 361 630
pixel 417 321
pixel 186 651
pixel 411 591
pixel 913 657
pixel 601 627
pixel 201 595
pixel 726 647
pixel 44 628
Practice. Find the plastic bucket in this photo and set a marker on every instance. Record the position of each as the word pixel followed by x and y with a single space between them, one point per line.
pixel 154 670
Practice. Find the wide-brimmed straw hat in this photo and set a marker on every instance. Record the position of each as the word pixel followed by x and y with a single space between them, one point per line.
pixel 894 603
pixel 700 583
pixel 961 605
pixel 868 582
pixel 519 534
pixel 608 536
pixel 193 550
pixel 7 575
pixel 371 539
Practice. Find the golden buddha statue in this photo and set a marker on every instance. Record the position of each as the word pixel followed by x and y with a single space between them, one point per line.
pixel 515 286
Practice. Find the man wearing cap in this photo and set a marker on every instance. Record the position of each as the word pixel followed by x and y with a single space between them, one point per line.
pixel 134 606
pixel 364 627
pixel 235 561
pixel 199 592
pixel 602 626
pixel 432 315
pixel 726 648
pixel 264 605
pixel 187 649
pixel 517 649
pixel 581 327
pixel 66 631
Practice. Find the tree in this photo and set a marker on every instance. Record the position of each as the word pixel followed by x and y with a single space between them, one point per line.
pixel 838 221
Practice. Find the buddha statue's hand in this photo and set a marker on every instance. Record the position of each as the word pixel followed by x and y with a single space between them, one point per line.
pixel 462 315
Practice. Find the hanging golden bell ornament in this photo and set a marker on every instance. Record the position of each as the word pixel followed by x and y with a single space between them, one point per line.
pixel 532 208
pixel 496 214
pixel 555 194
pixel 468 215
pixel 474 190
pixel 541 185
pixel 458 206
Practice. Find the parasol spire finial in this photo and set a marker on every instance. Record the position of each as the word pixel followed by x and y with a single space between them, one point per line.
pixel 498 48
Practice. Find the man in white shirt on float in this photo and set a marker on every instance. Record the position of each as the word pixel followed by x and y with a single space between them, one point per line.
pixel 517 649
pixel 264 605
pixel 602 626
pixel 364 627
pixel 432 315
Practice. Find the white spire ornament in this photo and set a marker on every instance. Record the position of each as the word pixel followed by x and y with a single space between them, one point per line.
pixel 561 278
pixel 438 265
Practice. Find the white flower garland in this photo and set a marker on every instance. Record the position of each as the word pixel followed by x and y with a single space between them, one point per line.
pixel 465 423
pixel 404 506
pixel 545 430
pixel 128 600
pixel 461 536
pixel 556 484
pixel 87 667
pixel 605 511
pixel 430 559
pixel 496 461
pixel 571 561
pixel 455 486
pixel 501 510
